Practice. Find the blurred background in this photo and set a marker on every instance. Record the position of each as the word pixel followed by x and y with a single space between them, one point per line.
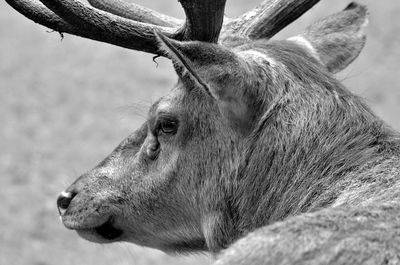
pixel 65 104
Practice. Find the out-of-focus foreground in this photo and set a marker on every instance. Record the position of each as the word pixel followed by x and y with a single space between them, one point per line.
pixel 64 105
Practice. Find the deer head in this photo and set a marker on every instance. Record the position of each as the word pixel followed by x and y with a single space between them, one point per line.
pixel 174 183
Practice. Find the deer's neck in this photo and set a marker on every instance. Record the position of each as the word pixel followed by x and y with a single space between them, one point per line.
pixel 301 151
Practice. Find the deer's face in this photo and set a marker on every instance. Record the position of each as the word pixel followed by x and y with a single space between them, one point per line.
pixel 169 185
pixel 149 190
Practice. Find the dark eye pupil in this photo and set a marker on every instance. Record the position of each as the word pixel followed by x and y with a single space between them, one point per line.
pixel 168 127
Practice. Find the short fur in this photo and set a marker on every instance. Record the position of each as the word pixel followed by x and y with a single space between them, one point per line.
pixel 257 150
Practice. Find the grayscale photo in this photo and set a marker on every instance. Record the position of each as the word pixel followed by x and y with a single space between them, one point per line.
pixel 201 132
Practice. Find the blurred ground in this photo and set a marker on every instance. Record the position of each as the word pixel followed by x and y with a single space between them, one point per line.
pixel 64 105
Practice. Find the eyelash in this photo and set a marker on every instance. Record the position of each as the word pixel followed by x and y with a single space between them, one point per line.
pixel 168 126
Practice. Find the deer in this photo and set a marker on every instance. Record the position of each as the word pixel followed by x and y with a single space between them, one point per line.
pixel 258 155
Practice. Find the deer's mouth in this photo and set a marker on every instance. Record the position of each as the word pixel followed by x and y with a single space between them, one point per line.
pixel 105 233
pixel 108 230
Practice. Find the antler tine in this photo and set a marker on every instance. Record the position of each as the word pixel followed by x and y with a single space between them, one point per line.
pixel 110 29
pixel 107 27
pixel 204 20
pixel 136 12
pixel 268 18
pixel 37 12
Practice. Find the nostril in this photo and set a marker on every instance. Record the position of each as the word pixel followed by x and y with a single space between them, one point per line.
pixel 64 200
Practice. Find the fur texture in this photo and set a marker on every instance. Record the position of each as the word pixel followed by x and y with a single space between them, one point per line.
pixel 258 150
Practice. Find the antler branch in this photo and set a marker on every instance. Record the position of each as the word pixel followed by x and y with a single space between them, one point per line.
pixel 37 12
pixel 107 27
pixel 203 20
pixel 268 18
pixel 136 12
pixel 78 19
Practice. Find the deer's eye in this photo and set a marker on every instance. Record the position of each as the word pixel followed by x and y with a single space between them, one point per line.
pixel 168 126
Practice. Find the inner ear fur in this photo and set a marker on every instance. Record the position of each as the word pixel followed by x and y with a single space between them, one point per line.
pixel 337 40
pixel 180 53
pixel 201 60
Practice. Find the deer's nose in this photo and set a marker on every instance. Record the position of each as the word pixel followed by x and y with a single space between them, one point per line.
pixel 64 200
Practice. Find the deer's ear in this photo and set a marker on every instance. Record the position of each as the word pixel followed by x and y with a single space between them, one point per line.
pixel 181 54
pixel 338 39
pixel 217 70
pixel 205 63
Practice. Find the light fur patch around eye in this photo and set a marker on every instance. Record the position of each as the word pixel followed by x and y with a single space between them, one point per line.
pixel 300 40
pixel 164 106
pixel 169 102
pixel 258 57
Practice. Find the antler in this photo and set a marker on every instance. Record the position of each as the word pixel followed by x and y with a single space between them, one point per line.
pixel 136 12
pixel 268 18
pixel 132 26
pixel 78 19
